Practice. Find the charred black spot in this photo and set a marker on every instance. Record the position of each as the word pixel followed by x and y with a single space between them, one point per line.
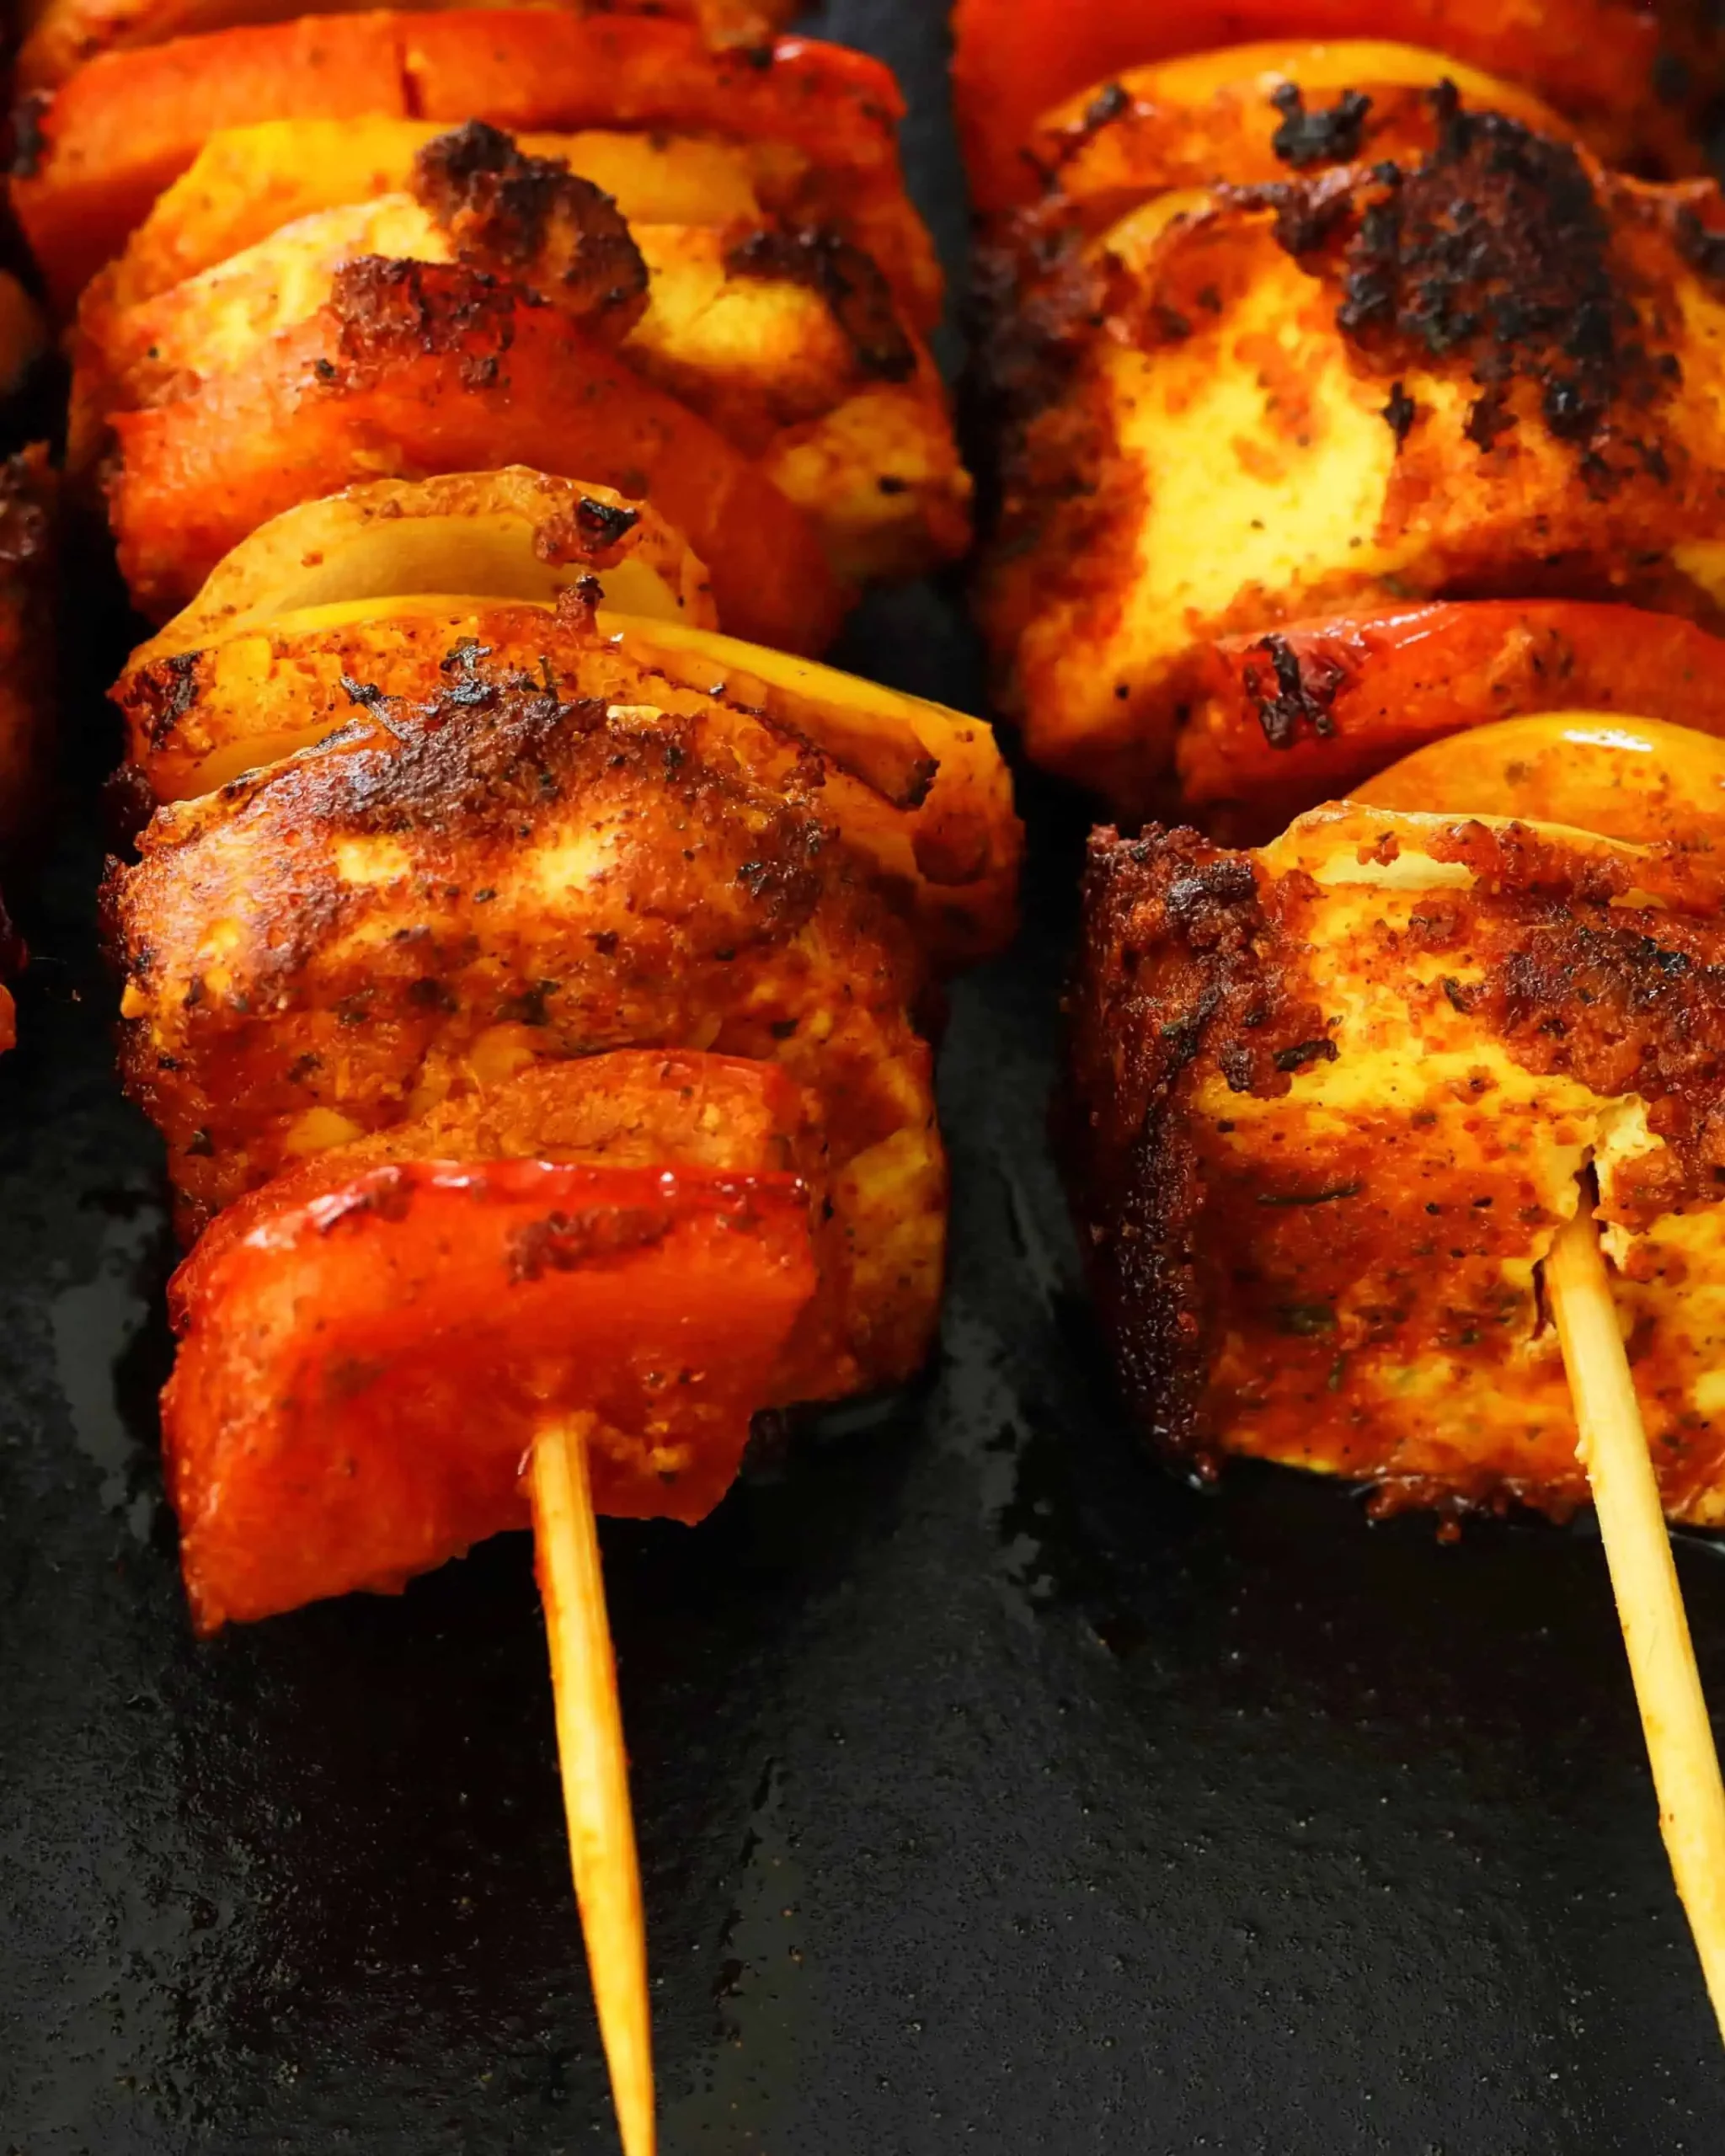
pixel 858 295
pixel 1322 1049
pixel 162 693
pixel 1401 412
pixel 532 219
pixel 1496 246
pixel 1226 881
pixel 1111 102
pixel 604 524
pixel 1303 694
pixel 1489 417
pixel 462 658
pixel 1323 136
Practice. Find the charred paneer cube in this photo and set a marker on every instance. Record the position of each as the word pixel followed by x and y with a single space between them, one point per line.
pixel 1330 1102
pixel 1487 370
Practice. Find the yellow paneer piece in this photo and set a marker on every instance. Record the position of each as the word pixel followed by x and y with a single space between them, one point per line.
pixel 247 182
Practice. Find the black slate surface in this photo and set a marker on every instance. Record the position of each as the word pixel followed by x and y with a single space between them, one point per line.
pixel 996 1791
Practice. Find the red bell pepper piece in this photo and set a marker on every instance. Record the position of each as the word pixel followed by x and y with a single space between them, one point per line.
pixel 1286 720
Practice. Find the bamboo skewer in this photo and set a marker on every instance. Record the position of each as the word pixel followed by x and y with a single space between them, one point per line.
pixel 1612 1446
pixel 595 1785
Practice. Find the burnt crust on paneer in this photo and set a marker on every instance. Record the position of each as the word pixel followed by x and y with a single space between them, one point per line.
pixel 1480 370
pixel 856 295
pixel 1497 249
pixel 323 933
pixel 382 308
pixel 532 220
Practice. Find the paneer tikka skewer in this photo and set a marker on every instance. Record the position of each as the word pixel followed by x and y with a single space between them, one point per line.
pixel 530 996
pixel 531 983
pixel 353 246
pixel 1347 403
pixel 1343 1113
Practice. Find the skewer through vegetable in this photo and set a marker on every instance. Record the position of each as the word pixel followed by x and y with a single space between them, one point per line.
pixel 528 978
pixel 1350 411
pixel 527 993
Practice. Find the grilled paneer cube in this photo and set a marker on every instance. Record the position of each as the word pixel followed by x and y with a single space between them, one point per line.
pixel 1641 80
pixel 788 344
pixel 351 938
pixel 455 323
pixel 415 369
pixel 1491 371
pixel 329 618
pixel 1329 1103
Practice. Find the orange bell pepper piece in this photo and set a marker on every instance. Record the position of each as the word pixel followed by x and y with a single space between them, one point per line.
pixel 361 1376
pixel 96 154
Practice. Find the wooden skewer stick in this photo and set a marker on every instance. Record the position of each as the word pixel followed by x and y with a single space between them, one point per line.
pixel 1613 1447
pixel 595 1784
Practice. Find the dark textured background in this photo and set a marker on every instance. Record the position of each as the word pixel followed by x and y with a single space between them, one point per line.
pixel 995 1792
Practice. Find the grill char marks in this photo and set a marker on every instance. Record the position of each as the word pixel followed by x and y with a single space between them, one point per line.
pixel 382 308
pixel 1296 696
pixel 1324 136
pixel 533 220
pixel 1496 248
pixel 857 295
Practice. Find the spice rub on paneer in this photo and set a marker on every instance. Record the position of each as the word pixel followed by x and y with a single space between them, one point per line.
pixel 1329 1103
pixel 1489 371
pixel 514 959
pixel 1247 115
pixel 350 938
pixel 338 612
